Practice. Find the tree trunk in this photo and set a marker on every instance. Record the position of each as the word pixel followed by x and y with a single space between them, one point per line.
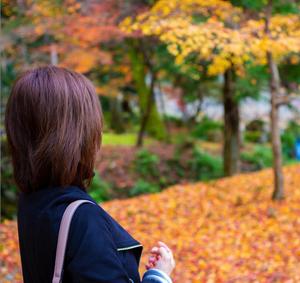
pixel 278 192
pixel 164 118
pixel 154 124
pixel 146 114
pixel 274 83
pixel 116 119
pixel 231 147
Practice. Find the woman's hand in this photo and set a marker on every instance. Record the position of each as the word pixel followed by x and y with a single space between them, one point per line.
pixel 161 258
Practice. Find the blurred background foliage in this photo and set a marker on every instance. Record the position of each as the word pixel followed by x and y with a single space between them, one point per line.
pixel 164 99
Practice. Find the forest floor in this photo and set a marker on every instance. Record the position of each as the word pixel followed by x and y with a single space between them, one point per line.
pixel 227 230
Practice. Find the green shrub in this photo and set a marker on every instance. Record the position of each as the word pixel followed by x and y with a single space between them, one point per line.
pixel 260 157
pixel 175 165
pixel 146 163
pixel 143 187
pixel 252 136
pixel 205 166
pixel 208 129
pixel 288 139
pixel 178 122
pixel 256 132
pixel 256 125
pixel 99 189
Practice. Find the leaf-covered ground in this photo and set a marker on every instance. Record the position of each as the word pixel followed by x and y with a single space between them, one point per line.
pixel 223 231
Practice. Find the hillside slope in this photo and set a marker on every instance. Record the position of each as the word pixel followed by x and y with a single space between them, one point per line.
pixel 222 231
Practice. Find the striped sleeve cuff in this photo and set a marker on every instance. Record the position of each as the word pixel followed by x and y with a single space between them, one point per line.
pixel 156 275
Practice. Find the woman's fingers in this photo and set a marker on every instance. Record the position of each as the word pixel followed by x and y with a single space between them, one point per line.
pixel 162 244
pixel 152 259
pixel 155 250
pixel 151 262
pixel 164 253
pixel 158 250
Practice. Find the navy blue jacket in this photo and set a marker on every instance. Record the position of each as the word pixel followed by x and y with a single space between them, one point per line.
pixel 98 249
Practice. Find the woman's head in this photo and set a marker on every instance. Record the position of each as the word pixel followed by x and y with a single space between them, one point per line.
pixel 53 123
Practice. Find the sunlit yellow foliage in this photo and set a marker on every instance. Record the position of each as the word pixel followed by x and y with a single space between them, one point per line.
pixel 222 231
pixel 217 32
pixel 283 40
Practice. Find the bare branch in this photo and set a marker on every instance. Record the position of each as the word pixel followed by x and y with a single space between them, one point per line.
pixel 286 99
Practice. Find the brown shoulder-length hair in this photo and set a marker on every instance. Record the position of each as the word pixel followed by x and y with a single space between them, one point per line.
pixel 53 123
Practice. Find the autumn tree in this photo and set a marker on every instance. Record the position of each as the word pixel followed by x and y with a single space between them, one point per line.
pixel 275 37
pixel 209 30
pixel 85 36
pixel 229 37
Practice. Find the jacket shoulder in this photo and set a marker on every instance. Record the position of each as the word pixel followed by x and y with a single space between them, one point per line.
pixel 120 235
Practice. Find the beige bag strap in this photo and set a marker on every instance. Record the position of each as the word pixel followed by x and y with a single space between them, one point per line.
pixel 63 237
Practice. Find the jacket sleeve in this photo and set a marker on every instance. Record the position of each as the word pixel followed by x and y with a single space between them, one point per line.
pixel 156 276
pixel 92 256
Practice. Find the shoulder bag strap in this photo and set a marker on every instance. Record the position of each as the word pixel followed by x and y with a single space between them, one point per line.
pixel 63 237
